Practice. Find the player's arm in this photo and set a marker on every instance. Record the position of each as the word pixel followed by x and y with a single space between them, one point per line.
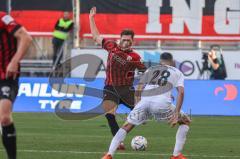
pixel 56 25
pixel 23 41
pixel 93 27
pixel 174 120
pixel 70 28
pixel 139 64
pixel 213 59
pixel 180 98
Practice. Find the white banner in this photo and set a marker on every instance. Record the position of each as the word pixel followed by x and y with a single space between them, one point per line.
pixel 190 62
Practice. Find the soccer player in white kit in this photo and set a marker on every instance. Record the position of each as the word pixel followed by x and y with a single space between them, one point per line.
pixel 154 100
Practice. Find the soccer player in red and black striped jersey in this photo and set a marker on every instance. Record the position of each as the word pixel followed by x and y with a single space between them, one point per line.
pixel 14 41
pixel 121 64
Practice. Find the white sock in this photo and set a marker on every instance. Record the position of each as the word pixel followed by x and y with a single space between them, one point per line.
pixel 117 139
pixel 180 139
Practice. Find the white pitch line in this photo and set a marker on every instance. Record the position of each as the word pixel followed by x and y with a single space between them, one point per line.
pixel 121 153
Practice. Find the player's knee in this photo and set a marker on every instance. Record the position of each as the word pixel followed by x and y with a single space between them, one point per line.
pixel 109 107
pixel 5 120
pixel 110 111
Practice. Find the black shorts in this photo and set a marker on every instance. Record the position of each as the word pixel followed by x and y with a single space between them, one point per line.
pixel 120 95
pixel 8 89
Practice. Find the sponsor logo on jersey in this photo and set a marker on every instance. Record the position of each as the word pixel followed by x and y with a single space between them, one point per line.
pixel 7 19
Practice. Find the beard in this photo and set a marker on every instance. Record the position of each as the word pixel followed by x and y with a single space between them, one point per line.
pixel 125 45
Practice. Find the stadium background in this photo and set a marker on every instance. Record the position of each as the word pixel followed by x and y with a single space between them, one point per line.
pixel 200 24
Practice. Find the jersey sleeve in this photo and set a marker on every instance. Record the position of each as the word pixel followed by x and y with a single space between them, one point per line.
pixel 180 81
pixel 139 64
pixel 10 24
pixel 108 45
pixel 141 67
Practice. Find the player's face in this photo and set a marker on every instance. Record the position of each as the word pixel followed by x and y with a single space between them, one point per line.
pixel 126 42
pixel 66 15
pixel 168 62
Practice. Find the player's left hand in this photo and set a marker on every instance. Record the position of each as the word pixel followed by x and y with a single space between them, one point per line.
pixel 174 120
pixel 12 70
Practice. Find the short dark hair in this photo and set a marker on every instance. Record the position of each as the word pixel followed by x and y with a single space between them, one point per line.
pixel 166 56
pixel 127 32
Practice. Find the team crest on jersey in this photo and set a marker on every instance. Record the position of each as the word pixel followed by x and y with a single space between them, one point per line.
pixel 6 91
pixel 129 58
pixel 7 19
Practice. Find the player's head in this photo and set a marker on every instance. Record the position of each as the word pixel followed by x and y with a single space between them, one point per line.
pixel 166 58
pixel 66 15
pixel 126 40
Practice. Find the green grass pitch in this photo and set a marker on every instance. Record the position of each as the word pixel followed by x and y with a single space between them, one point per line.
pixel 45 136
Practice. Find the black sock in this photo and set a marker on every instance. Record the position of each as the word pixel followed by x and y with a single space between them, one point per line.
pixel 112 123
pixel 9 140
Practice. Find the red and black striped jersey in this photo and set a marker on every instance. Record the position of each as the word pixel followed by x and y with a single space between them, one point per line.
pixel 8 43
pixel 121 65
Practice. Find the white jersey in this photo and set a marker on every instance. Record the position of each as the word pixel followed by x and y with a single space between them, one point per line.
pixel 160 81
pixel 156 101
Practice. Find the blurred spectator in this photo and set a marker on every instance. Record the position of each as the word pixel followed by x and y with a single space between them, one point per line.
pixel 62 27
pixel 217 68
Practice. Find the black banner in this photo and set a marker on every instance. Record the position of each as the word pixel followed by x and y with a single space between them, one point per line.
pixel 3 5
pixel 49 5
pixel 103 6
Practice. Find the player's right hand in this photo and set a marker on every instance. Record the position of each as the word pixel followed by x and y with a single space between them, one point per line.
pixel 174 120
pixel 93 12
pixel 12 70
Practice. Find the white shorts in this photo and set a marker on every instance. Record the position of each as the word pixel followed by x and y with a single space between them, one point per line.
pixel 146 109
